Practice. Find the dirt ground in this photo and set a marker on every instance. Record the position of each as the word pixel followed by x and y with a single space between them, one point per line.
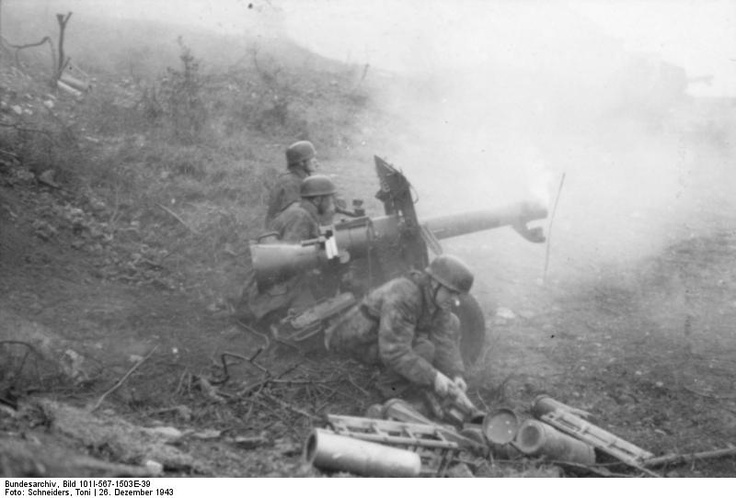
pixel 113 365
pixel 647 347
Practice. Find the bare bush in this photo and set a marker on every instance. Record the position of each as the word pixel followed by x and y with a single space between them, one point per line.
pixel 180 94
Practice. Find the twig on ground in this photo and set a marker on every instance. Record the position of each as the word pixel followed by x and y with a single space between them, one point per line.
pixel 685 458
pixel 595 470
pixel 486 408
pixel 186 377
pixel 326 401
pixel 289 406
pixel 309 395
pixel 708 395
pixel 210 391
pixel 253 404
pixel 350 379
pixel 278 415
pixel 30 348
pixel 271 380
pixel 21 128
pixel 14 156
pixel 253 331
pixel 251 360
pixel 122 380
pixel 176 216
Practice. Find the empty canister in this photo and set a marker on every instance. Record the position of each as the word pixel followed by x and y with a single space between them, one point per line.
pixel 500 426
pixel 536 438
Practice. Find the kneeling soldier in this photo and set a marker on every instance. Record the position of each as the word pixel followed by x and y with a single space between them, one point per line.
pixel 407 329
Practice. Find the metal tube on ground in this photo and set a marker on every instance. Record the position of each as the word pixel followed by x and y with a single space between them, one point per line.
pixel 539 439
pixel 327 450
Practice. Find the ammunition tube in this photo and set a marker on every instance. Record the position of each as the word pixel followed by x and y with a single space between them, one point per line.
pixel 329 451
pixel 536 438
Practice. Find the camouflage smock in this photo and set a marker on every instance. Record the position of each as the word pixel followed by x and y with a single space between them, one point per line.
pixel 395 317
pixel 285 192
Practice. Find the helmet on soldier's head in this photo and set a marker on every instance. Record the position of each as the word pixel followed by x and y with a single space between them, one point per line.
pixel 316 185
pixel 452 273
pixel 300 151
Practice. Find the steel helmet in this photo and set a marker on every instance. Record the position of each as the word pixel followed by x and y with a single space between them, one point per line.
pixel 452 273
pixel 316 185
pixel 300 151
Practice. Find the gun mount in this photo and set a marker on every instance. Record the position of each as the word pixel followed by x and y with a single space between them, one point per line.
pixel 371 251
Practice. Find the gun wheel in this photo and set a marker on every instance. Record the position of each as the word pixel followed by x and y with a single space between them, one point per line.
pixel 472 329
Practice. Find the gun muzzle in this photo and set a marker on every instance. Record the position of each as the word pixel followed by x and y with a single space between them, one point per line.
pixel 275 263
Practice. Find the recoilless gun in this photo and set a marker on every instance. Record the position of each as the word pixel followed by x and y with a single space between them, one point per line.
pixel 362 253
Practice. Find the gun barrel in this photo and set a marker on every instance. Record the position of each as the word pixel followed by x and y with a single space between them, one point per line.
pixel 275 262
pixel 447 226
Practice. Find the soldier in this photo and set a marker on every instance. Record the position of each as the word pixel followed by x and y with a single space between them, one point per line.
pixel 301 162
pixel 407 329
pixel 299 221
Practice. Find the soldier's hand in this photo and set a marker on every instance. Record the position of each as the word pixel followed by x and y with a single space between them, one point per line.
pixel 460 383
pixel 442 384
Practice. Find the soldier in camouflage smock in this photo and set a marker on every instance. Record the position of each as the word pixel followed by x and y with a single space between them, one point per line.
pixel 406 328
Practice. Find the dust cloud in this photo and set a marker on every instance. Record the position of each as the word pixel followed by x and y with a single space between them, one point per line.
pixel 494 101
pixel 499 100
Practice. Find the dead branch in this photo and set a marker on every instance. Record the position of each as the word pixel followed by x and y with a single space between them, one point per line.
pixel 21 343
pixel 685 458
pixel 250 409
pixel 176 216
pixel 62 62
pixel 255 332
pixel 20 128
pixel 122 380
pixel 27 45
pixel 251 360
pixel 279 416
pixel 271 380
pixel 186 376
pixel 326 401
pixel 708 395
pixel 18 48
pixel 209 390
pixel 350 380
pixel 31 349
pixel 14 156
pixel 587 469
pixel 289 406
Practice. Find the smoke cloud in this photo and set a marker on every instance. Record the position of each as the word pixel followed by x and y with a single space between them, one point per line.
pixel 492 102
pixel 499 100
